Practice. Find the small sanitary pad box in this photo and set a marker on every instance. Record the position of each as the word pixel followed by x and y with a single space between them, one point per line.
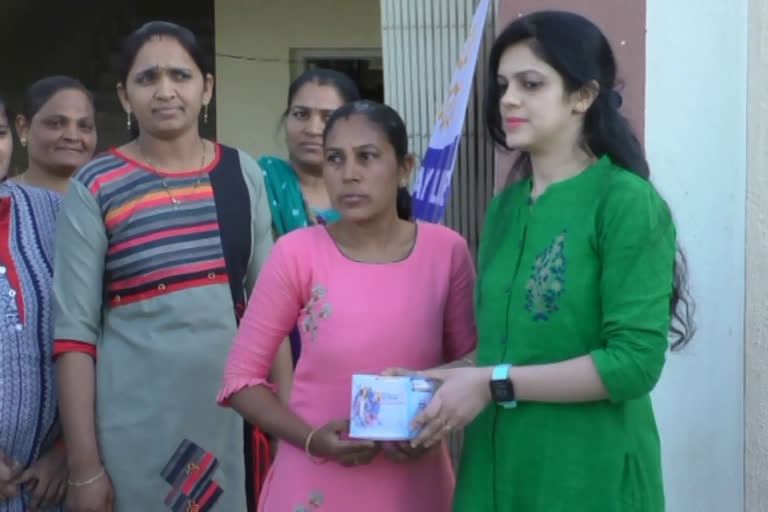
pixel 382 408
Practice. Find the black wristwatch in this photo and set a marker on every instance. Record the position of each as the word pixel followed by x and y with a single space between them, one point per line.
pixel 502 389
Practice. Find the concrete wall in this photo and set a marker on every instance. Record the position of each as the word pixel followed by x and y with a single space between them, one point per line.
pixel 253 42
pixel 756 357
pixel 695 132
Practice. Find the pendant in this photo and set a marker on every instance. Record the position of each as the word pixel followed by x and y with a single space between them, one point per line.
pixel 175 202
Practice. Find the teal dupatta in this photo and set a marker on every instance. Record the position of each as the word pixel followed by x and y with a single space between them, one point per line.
pixel 286 202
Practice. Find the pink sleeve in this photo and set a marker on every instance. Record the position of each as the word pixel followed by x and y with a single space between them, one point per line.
pixel 460 336
pixel 271 314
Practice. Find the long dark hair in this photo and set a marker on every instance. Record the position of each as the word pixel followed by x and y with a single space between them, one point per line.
pixel 390 123
pixel 137 39
pixel 580 53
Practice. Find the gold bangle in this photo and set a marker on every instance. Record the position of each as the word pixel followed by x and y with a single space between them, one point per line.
pixel 88 481
pixel 316 460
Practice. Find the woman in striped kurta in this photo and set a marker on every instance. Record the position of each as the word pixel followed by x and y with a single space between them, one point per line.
pixel 153 263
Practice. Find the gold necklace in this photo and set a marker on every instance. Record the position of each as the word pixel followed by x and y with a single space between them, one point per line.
pixel 164 182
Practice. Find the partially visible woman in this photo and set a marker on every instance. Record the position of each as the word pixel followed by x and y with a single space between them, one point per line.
pixel 33 475
pixel 58 128
pixel 298 198
pixel 158 244
pixel 297 194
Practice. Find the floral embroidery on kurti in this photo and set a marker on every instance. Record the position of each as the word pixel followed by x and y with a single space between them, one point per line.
pixel 314 310
pixel 547 281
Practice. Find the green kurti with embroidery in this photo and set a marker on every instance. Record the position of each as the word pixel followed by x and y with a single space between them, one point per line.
pixel 586 269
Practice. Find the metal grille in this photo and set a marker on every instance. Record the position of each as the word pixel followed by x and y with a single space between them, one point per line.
pixel 421 42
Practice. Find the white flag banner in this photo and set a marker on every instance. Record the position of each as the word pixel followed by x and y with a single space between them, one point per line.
pixel 433 181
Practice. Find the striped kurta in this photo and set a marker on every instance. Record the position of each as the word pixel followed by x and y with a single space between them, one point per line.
pixel 27 391
pixel 142 285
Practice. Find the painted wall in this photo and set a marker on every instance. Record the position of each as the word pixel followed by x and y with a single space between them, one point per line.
pixel 756 357
pixel 695 132
pixel 253 42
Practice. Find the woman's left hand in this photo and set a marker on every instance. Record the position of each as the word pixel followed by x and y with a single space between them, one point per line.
pixel 46 480
pixel 464 392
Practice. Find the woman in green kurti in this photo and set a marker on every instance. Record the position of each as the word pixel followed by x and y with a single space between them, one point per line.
pixel 577 286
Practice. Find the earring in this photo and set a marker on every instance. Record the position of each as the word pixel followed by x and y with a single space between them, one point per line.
pixel 128 120
pixel 205 113
pixel 23 142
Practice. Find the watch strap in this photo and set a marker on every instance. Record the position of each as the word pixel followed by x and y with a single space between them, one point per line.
pixel 501 373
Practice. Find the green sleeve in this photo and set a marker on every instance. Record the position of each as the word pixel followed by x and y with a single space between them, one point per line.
pixel 636 243
pixel 261 219
pixel 81 246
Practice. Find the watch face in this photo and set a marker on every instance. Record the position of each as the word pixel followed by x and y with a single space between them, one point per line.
pixel 502 391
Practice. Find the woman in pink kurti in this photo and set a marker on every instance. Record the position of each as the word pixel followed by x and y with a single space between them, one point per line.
pixel 369 292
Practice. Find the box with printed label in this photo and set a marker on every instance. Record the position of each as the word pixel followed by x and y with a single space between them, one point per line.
pixel 382 408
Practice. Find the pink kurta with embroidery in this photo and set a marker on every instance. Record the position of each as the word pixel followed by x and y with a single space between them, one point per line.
pixel 354 318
